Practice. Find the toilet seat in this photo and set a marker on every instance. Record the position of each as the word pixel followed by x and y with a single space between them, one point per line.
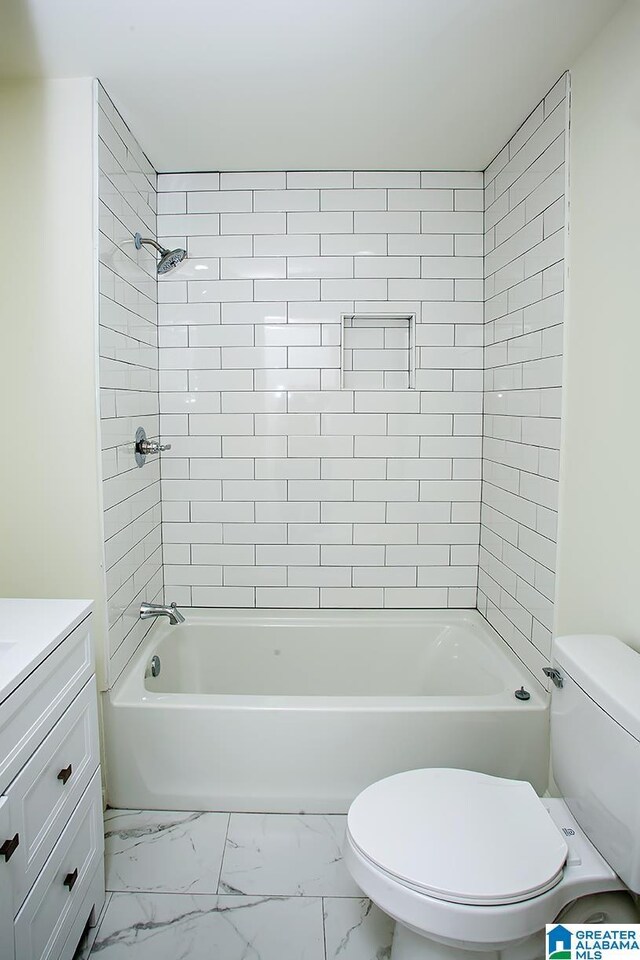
pixel 459 836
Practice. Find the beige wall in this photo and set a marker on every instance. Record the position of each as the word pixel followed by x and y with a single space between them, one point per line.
pixel 50 500
pixel 599 536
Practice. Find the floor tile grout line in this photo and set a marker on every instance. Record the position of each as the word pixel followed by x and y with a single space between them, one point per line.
pixel 248 896
pixel 224 851
pixel 324 929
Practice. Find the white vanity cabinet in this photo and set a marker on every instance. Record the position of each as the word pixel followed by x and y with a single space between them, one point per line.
pixel 51 834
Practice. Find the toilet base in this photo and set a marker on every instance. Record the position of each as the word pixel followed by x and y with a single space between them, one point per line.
pixel 614 907
pixel 408 945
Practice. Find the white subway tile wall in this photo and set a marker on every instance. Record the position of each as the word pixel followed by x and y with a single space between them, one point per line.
pixel 524 279
pixel 281 489
pixel 128 334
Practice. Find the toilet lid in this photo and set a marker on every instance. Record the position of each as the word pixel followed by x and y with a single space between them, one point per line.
pixel 459 836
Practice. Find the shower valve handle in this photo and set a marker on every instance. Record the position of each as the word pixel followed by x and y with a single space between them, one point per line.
pixel 152 446
pixel 144 446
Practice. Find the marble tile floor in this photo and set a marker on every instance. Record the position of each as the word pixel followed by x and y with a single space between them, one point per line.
pixel 218 886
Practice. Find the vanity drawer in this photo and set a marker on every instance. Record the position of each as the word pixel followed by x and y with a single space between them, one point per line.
pixel 49 912
pixel 27 716
pixel 6 893
pixel 47 790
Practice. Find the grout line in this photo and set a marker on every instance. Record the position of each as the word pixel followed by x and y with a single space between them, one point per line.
pixel 324 928
pixel 224 853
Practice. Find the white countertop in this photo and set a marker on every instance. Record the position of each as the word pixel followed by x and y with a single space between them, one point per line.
pixel 29 631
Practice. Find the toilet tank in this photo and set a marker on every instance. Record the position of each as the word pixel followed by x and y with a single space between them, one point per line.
pixel 595 745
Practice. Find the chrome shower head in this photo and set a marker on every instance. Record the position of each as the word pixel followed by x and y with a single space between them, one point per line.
pixel 171 259
pixel 168 258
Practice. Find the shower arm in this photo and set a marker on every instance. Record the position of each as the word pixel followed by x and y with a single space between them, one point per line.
pixel 139 240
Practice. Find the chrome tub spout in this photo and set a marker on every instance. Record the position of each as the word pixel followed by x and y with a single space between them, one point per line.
pixel 148 610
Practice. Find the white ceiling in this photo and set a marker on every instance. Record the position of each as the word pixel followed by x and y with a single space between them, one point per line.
pixel 308 84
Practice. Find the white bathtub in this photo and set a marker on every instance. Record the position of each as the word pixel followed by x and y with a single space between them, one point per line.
pixel 290 711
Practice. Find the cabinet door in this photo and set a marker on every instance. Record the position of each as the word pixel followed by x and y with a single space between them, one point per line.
pixel 6 896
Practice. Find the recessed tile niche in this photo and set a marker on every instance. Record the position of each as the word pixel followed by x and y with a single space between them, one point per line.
pixel 378 351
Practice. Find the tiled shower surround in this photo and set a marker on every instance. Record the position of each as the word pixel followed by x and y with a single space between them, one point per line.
pixel 524 270
pixel 282 489
pixel 291 483
pixel 128 340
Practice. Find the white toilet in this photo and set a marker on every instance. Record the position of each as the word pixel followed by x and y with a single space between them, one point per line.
pixel 469 864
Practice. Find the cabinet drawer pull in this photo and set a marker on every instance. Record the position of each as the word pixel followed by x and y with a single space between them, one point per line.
pixel 65 773
pixel 9 847
pixel 70 879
